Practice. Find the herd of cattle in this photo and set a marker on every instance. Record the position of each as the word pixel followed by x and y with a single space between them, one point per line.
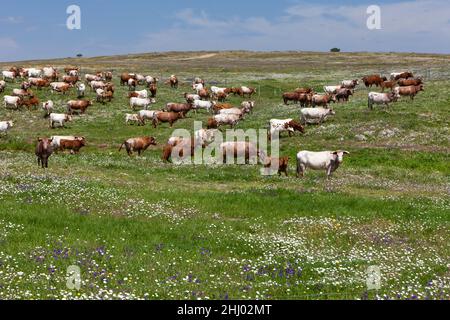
pixel 314 110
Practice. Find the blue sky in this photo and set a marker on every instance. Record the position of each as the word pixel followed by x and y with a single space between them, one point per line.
pixel 37 29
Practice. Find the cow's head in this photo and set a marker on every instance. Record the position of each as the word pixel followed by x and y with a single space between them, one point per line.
pixel 339 155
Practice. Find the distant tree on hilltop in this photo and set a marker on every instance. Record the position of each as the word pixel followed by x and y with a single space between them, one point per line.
pixel 335 50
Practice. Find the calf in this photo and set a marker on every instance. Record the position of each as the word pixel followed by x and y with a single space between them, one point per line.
pixel 59 118
pixel 326 160
pixel 44 150
pixel 138 145
pixel 73 145
pixel 281 163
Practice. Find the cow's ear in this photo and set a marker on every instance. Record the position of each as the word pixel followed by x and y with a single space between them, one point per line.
pixel 39 139
pixel 346 152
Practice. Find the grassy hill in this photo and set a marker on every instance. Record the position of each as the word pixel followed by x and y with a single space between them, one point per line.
pixel 141 228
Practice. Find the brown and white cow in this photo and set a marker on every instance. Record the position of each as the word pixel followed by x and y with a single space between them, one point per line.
pixel 138 145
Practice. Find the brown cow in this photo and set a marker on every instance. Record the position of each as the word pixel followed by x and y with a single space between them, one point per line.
pixel 80 105
pixel 282 164
pixel 44 150
pixel 222 96
pixel 221 106
pixel 388 84
pixel 404 75
pixel 170 117
pixel 29 103
pixel 410 82
pixel 204 94
pixel 125 77
pixel 73 145
pixel 173 82
pixel 153 89
pixel 322 100
pixel 139 144
pixel 343 94
pixel 183 108
pixel 410 91
pixel 371 80
pixel 291 96
pixel 71 80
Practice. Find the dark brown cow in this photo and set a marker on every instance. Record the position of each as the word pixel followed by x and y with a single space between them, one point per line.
pixel 291 96
pixel 73 145
pixel 371 80
pixel 404 75
pixel 153 90
pixel 183 108
pixel 139 144
pixel 343 95
pixel 43 151
pixel 29 103
pixel 410 82
pixel 79 105
pixel 170 117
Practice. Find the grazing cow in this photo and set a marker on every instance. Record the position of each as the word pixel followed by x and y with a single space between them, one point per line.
pixel 5 126
pixel 326 160
pixel 59 118
pixel 44 150
pixel 239 149
pixel 48 107
pixel 141 103
pixel 281 163
pixel 40 83
pixel 147 115
pixel 322 100
pixel 235 111
pixel 170 117
pixel 50 73
pixel 349 84
pixel 223 119
pixel 9 75
pixel 402 75
pixel 388 84
pixel 191 97
pixel 10 101
pixel 331 89
pixel 183 108
pixel 410 82
pixel 143 94
pixel 125 77
pixel 315 115
pixel 34 73
pixel 29 103
pixel 73 145
pixel 288 125
pixel 343 94
pixel 217 90
pixel 153 90
pixel 382 98
pixel 61 87
pixel 371 80
pixel 2 86
pixel 173 81
pixel 92 77
pixel 78 105
pixel 138 145
pixel 132 84
pixel 291 96
pixel 205 105
pixel 133 118
pixel 70 79
pixel 81 90
pixel 410 91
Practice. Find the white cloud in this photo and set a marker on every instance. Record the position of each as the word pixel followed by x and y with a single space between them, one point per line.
pixel 11 20
pixel 421 26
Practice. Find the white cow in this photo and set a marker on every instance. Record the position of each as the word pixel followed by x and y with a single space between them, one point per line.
pixel 49 72
pixel 325 160
pixel 9 75
pixel 97 85
pixel 206 105
pixel 81 89
pixel 34 73
pixel 147 115
pixel 198 87
pixel 10 101
pixel 132 118
pixel 315 115
pixel 289 125
pixel 331 89
pixel 5 126
pixel 142 103
pixel 143 94
pixel 235 111
pixel 48 106
pixel 151 80
pixel 59 118
pixel 223 119
pixel 382 98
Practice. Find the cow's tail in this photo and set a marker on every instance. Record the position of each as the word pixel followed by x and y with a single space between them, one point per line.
pixel 121 146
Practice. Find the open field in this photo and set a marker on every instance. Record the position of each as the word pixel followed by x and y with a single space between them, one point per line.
pixel 141 228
